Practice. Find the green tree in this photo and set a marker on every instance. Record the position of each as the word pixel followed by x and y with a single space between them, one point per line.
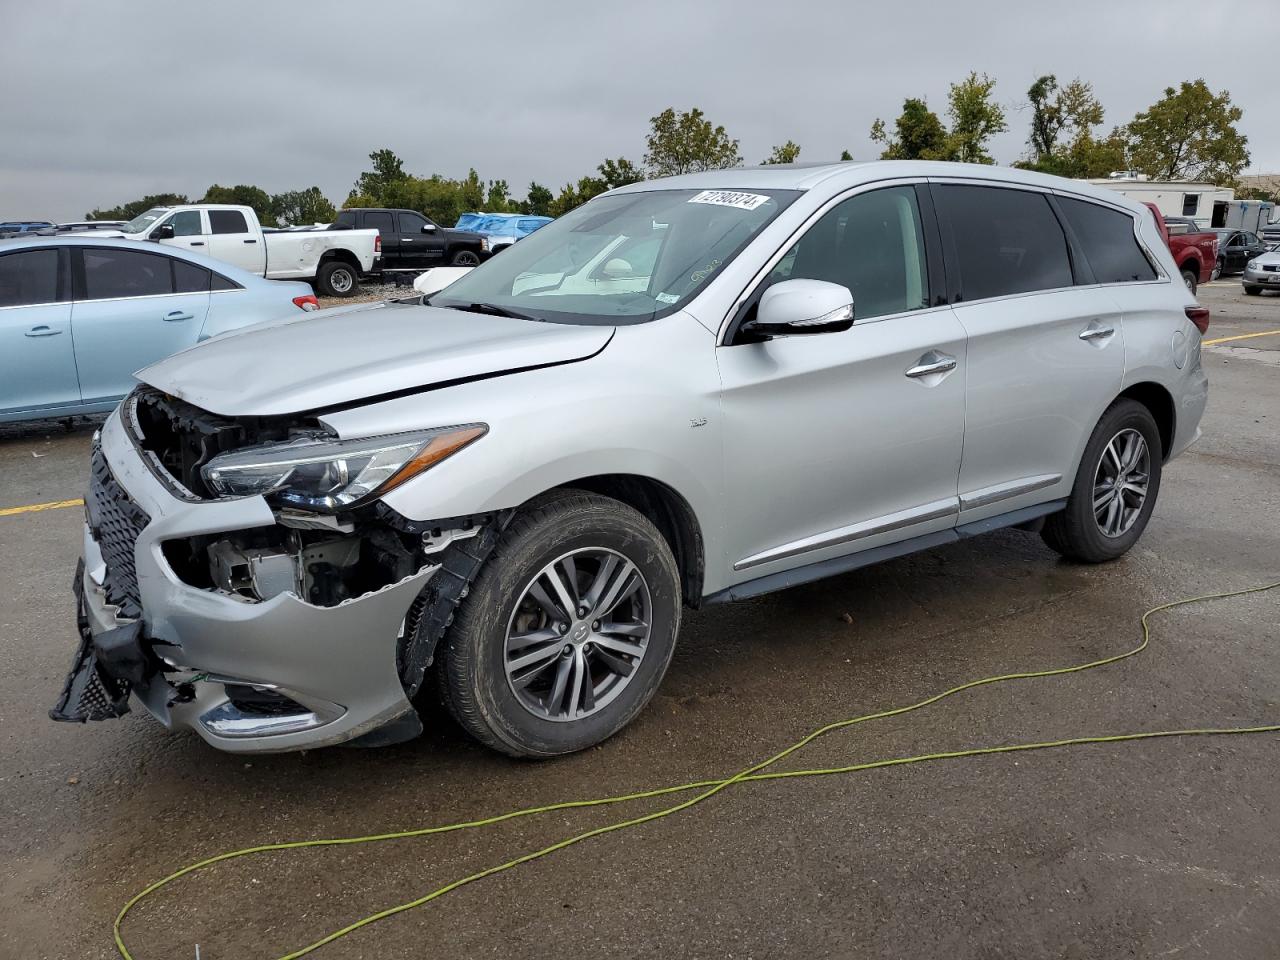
pixel 127 211
pixel 845 156
pixel 975 118
pixel 296 207
pixel 919 134
pixel 687 143
pixel 498 199
pixel 787 153
pixel 387 169
pixel 538 203
pixel 1189 134
pixel 619 172
pixel 1066 113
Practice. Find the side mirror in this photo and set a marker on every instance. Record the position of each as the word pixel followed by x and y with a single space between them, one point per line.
pixel 163 232
pixel 795 307
pixel 428 228
pixel 617 269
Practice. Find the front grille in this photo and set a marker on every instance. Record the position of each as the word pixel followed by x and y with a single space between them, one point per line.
pixel 1271 267
pixel 116 522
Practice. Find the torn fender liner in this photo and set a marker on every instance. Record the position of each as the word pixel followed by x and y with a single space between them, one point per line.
pixel 103 671
pixel 433 610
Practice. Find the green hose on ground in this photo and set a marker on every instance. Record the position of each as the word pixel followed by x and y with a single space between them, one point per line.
pixel 709 788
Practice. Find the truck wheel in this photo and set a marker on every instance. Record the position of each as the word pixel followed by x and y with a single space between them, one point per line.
pixel 1217 269
pixel 1115 488
pixel 1189 278
pixel 567 631
pixel 337 279
pixel 1252 291
pixel 465 258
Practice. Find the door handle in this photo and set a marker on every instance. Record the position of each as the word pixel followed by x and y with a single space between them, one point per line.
pixel 175 315
pixel 932 362
pixel 406 239
pixel 197 243
pixel 251 241
pixel 43 331
pixel 1096 331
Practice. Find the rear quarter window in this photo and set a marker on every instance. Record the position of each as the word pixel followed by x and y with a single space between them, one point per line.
pixel 1109 242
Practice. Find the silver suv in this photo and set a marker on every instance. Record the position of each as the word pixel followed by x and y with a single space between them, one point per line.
pixel 683 392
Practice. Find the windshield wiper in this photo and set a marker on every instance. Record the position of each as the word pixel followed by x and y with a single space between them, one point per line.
pixel 492 309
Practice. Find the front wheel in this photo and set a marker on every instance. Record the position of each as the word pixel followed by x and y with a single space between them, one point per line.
pixel 337 279
pixel 1115 487
pixel 1252 291
pixel 567 631
pixel 465 258
pixel 1218 266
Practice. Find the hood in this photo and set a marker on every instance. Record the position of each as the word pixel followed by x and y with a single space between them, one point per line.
pixel 345 355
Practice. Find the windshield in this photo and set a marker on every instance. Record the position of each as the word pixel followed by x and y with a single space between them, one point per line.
pixel 143 221
pixel 620 259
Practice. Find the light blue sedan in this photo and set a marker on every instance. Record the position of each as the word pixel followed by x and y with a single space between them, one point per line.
pixel 79 315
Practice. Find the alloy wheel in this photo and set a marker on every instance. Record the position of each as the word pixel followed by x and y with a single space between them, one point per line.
pixel 578 634
pixel 341 281
pixel 1121 482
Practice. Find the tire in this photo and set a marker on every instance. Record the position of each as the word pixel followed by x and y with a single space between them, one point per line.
pixel 1076 532
pixel 1190 278
pixel 337 279
pixel 472 666
pixel 465 258
pixel 1252 290
pixel 1218 267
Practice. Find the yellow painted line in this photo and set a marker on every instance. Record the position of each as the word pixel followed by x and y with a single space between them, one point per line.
pixel 1243 336
pixel 37 507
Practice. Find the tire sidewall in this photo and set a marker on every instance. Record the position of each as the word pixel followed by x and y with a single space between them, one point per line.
pixel 327 279
pixel 1127 414
pixel 471 259
pixel 500 586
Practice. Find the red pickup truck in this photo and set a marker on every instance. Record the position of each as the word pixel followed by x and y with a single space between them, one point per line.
pixel 1194 253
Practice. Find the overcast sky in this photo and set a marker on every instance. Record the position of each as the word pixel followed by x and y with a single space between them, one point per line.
pixel 103 102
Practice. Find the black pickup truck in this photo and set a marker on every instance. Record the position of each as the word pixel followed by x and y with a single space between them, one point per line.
pixel 412 242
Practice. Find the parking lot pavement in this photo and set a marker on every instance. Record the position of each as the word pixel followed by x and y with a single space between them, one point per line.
pixel 1159 848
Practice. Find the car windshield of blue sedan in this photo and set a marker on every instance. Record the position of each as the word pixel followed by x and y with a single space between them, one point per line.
pixel 143 221
pixel 619 259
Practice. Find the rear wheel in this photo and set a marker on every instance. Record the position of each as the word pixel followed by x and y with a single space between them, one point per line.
pixel 337 279
pixel 465 258
pixel 567 631
pixel 1190 279
pixel 1115 487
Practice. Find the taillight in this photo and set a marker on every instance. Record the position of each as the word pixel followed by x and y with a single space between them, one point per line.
pixel 377 244
pixel 307 302
pixel 1200 317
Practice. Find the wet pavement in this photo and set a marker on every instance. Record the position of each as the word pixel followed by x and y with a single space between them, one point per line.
pixel 1150 849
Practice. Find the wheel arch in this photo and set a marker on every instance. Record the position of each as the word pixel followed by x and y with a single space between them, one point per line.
pixel 346 256
pixel 667 510
pixel 1156 398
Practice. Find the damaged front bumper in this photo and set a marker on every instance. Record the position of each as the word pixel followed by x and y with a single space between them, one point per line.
pixel 247 674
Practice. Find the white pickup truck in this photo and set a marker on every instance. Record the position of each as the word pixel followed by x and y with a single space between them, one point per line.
pixel 332 260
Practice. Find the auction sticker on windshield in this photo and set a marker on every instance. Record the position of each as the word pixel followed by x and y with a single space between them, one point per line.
pixel 729 198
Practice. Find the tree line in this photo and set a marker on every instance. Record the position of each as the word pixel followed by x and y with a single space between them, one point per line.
pixel 1190 133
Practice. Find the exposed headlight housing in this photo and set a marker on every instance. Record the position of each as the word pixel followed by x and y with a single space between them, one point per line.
pixel 333 475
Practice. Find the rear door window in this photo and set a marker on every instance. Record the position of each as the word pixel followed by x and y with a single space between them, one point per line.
pixel 1004 241
pixel 381 222
pixel 111 273
pixel 1109 242
pixel 189 278
pixel 227 221
pixel 29 277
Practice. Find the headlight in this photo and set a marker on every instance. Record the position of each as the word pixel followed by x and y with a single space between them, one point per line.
pixel 331 475
pixel 484 243
pixel 1251 265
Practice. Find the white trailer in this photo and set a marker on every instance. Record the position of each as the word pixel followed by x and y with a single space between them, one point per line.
pixel 1206 203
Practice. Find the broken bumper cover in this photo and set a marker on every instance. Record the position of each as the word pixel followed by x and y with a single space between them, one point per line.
pixel 194 654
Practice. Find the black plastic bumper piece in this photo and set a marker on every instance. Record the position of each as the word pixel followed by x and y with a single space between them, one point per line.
pixel 103 671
